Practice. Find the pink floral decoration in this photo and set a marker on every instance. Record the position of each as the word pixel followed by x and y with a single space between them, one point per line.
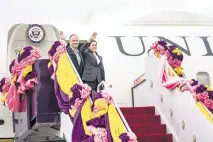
pixel 107 96
pixel 185 88
pixel 63 43
pixel 195 87
pixel 174 62
pixel 202 96
pixel 154 46
pixel 100 134
pixel 29 60
pixel 16 69
pixel 168 55
pixel 132 137
pixel 25 85
pixel 77 103
pixel 30 83
pixel 158 48
pixel 6 86
pixel 12 101
pixel 60 49
pixel 209 104
pixel 85 92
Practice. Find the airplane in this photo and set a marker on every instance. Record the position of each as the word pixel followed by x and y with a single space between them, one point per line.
pixel 123 46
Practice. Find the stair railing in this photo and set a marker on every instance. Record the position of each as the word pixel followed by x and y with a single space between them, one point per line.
pixel 104 85
pixel 206 109
pixel 172 70
pixel 76 72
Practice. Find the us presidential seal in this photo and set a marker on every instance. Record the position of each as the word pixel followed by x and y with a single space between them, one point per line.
pixel 35 33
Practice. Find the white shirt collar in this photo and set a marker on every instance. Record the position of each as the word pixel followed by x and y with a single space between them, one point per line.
pixel 74 49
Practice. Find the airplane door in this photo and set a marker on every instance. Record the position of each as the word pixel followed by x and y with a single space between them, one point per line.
pixel 19 36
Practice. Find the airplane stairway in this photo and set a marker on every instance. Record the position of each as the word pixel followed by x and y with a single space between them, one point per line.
pixel 176 98
pixel 146 124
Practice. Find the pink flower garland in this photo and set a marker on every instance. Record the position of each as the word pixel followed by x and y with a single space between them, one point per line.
pixel 168 51
pixel 132 137
pixel 77 104
pixel 173 54
pixel 158 48
pixel 13 97
pixel 60 49
pixel 201 97
pixel 107 96
pixel 29 60
pixel 16 69
pixel 174 62
pixel 209 104
pixel 100 134
pixel 85 92
pixel 6 86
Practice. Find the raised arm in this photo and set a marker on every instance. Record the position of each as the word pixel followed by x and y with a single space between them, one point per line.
pixel 85 46
pixel 62 36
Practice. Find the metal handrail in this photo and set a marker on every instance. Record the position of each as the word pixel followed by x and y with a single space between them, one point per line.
pixel 172 70
pixel 104 84
pixel 106 88
pixel 210 113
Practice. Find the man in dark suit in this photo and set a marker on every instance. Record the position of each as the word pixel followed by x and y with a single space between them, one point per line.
pixel 74 54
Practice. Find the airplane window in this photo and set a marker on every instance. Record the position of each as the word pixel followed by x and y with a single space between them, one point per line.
pixel 2 122
pixel 16 51
pixel 203 78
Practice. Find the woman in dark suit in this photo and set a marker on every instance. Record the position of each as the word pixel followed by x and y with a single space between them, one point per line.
pixel 93 72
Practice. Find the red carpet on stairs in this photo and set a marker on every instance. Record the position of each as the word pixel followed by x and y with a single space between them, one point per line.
pixel 146 125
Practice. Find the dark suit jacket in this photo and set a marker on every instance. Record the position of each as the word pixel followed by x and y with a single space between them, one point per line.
pixel 73 57
pixel 92 70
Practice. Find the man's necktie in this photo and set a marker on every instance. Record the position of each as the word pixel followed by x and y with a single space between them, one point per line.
pixel 78 56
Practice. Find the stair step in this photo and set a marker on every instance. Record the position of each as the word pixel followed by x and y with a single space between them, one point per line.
pixel 146 125
pixel 155 138
pixel 149 129
pixel 143 119
pixel 138 110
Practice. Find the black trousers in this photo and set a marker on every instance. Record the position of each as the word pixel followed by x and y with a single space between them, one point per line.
pixel 93 85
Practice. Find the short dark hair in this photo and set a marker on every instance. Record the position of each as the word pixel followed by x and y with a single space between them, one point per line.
pixel 72 36
pixel 92 42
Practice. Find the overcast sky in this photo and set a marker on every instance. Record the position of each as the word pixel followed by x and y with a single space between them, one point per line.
pixel 83 10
